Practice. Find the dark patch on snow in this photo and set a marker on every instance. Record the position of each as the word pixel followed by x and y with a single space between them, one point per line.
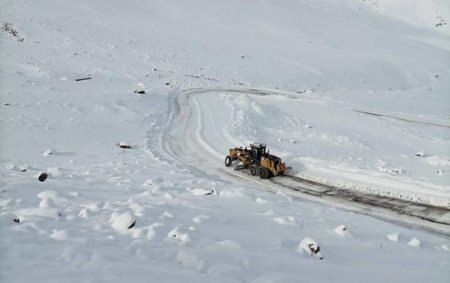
pixel 16 220
pixel 83 79
pixel 8 28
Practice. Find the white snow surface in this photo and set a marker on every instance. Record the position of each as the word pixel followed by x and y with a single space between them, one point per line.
pixel 346 92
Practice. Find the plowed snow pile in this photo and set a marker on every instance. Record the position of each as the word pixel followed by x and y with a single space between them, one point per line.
pixel 349 93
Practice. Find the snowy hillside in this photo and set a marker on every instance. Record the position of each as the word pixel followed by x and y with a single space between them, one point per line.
pixel 416 12
pixel 116 118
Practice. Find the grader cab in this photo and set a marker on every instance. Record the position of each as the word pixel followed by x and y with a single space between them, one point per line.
pixel 257 160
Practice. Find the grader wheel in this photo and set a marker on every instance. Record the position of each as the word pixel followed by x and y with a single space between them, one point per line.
pixel 228 161
pixel 253 170
pixel 264 173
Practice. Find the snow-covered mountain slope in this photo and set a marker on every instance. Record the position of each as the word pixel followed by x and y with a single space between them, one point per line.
pixel 362 102
pixel 428 14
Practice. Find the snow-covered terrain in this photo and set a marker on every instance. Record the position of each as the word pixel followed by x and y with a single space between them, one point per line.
pixel 353 94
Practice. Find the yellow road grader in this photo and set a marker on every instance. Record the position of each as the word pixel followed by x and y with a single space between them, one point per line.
pixel 256 159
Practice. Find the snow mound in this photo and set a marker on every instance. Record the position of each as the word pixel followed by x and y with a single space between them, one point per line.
pixel 32 213
pixel 151 232
pixel 393 237
pixel 54 171
pixel 415 243
pixel 275 278
pixel 199 219
pixel 60 235
pixel 84 213
pixel 48 194
pixel 201 191
pixel 47 203
pixel 189 258
pixel 122 222
pixel 310 247
pixel 7 218
pixel 261 200
pixel 288 220
pixel 177 235
pixel 341 230
pixel 235 274
pixel 47 152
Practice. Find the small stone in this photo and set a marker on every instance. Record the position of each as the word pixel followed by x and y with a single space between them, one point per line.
pixel 47 152
pixel 421 154
pixel 124 145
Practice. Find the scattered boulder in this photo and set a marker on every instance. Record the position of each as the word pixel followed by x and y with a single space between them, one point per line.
pixel 42 177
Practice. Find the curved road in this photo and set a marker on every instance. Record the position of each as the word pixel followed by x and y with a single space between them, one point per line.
pixel 184 141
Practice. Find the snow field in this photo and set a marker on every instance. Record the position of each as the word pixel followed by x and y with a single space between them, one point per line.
pixel 183 233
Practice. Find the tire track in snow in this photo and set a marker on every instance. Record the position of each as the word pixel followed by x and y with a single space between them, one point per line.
pixel 404 118
pixel 184 142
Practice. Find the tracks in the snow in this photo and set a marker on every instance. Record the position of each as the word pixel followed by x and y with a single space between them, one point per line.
pixel 183 141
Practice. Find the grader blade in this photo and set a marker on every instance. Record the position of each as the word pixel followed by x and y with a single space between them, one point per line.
pixel 239 167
